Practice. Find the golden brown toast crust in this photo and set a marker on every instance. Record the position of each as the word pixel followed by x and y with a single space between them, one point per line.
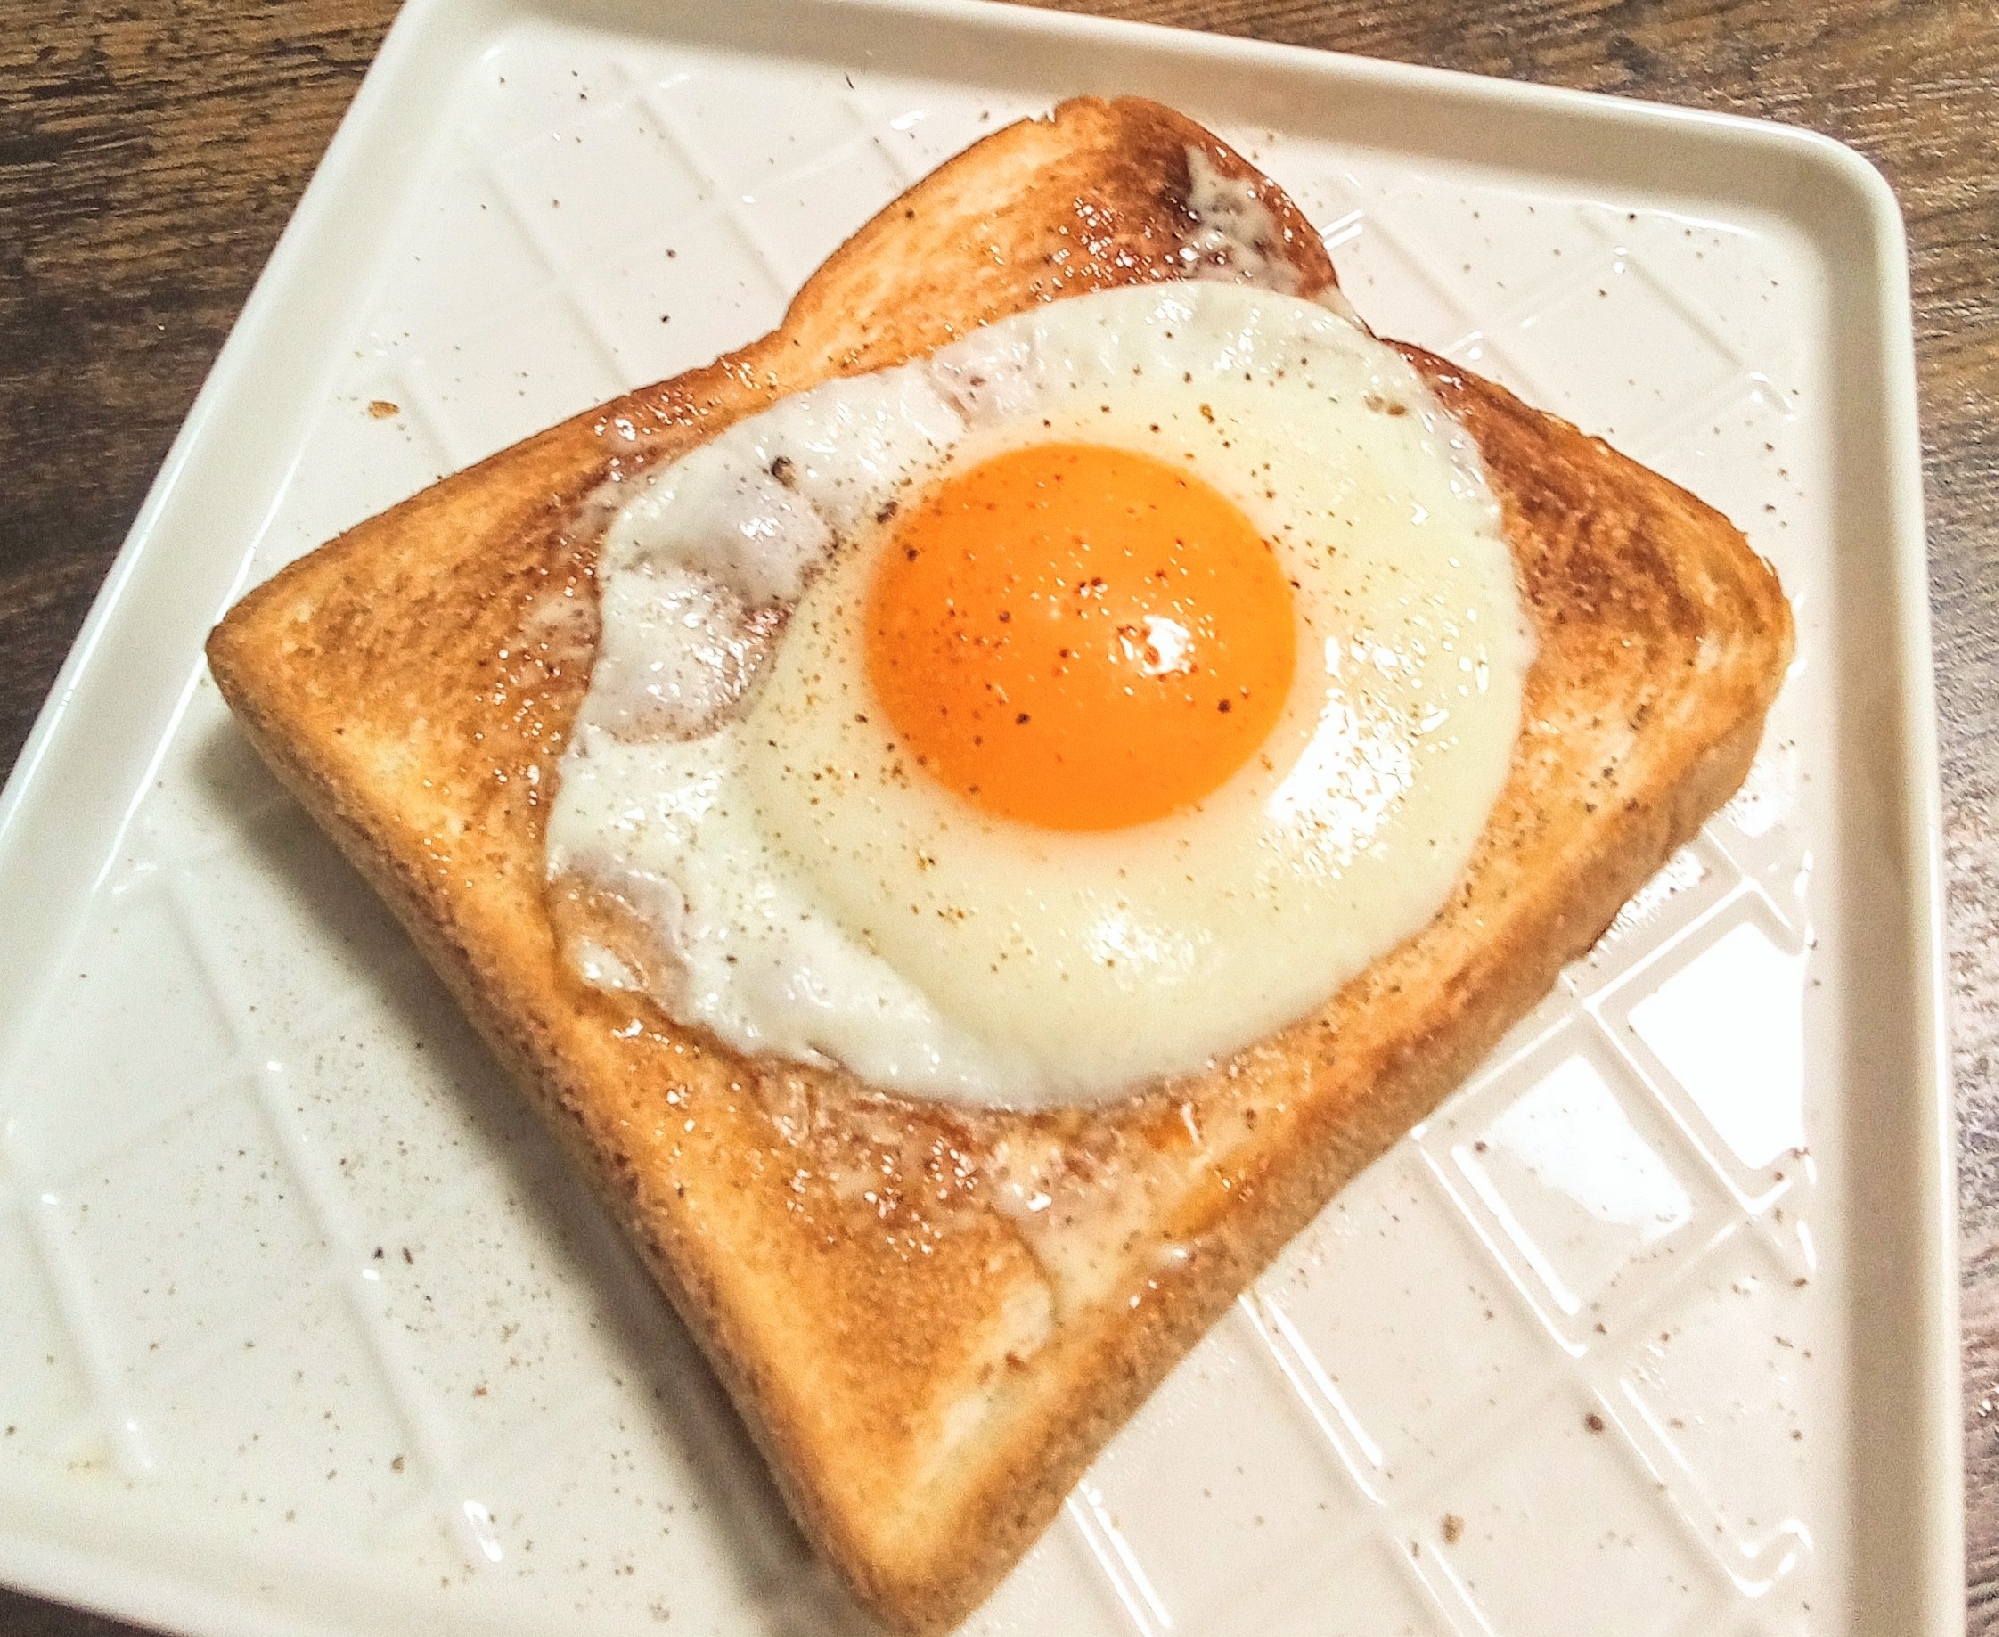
pixel 413 681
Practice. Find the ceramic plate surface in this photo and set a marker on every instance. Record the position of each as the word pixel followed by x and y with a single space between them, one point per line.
pixel 1649 1332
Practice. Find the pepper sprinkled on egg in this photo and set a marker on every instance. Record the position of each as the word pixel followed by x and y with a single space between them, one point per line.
pixel 1044 717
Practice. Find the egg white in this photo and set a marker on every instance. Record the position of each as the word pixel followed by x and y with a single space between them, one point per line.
pixel 819 897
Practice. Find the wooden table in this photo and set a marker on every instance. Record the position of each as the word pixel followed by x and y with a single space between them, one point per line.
pixel 149 157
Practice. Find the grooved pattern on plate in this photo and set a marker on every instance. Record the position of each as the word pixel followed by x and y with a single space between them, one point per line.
pixel 286 1259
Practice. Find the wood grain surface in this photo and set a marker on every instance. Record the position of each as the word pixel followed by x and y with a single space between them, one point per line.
pixel 151 150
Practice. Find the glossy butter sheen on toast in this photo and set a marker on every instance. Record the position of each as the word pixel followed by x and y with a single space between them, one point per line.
pixel 928 1367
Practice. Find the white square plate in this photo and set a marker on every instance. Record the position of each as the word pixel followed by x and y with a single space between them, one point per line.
pixel 1650 1332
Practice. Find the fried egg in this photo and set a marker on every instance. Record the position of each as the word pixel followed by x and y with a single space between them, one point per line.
pixel 1051 715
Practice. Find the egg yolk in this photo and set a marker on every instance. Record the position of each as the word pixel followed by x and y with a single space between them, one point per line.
pixel 1079 637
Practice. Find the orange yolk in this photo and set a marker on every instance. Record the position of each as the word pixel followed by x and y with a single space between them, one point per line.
pixel 1078 637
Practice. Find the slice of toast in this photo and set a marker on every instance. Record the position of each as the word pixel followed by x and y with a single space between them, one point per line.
pixel 928 1367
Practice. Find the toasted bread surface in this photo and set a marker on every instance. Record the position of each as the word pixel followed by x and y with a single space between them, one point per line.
pixel 927 1374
